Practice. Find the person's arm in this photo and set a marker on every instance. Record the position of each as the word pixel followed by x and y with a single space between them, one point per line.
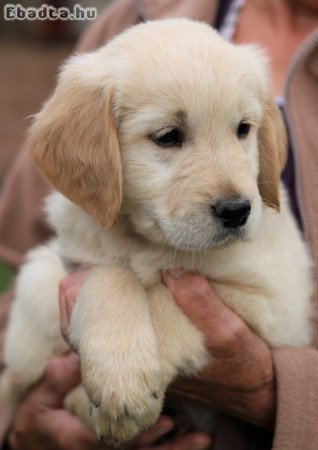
pixel 275 389
pixel 117 17
pixel 239 377
pixel 22 219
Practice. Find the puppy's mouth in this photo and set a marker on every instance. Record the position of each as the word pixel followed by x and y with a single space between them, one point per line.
pixel 200 237
pixel 220 239
pixel 227 236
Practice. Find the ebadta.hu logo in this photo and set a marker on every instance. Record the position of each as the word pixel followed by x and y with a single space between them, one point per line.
pixel 48 12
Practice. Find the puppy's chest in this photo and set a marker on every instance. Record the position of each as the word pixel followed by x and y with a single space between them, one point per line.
pixel 148 261
pixel 148 264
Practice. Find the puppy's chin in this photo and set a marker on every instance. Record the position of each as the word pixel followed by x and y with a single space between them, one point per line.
pixel 198 243
pixel 226 237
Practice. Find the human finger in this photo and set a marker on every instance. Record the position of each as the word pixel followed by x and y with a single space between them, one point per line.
pixel 190 441
pixel 62 375
pixel 162 427
pixel 68 292
pixel 194 295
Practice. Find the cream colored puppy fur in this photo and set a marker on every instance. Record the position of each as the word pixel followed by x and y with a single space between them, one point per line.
pixel 132 207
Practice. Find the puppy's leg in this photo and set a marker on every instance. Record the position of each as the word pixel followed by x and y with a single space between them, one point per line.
pixel 33 334
pixel 181 344
pixel 121 372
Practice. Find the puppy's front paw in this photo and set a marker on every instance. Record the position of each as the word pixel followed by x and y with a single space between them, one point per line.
pixel 126 396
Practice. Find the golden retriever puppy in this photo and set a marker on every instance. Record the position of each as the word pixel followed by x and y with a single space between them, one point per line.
pixel 166 148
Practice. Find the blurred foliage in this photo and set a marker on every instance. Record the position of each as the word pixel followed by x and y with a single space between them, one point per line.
pixel 6 276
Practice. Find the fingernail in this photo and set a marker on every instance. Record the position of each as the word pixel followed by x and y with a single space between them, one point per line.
pixel 162 429
pixel 174 273
pixel 177 272
pixel 201 444
pixel 165 424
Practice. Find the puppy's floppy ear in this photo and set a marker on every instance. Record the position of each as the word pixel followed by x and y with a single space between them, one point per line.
pixel 273 153
pixel 73 139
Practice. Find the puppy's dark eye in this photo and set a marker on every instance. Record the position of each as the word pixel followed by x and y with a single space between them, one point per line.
pixel 172 138
pixel 243 129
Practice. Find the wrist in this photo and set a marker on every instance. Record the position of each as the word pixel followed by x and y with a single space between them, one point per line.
pixel 261 408
pixel 251 397
pixel 260 403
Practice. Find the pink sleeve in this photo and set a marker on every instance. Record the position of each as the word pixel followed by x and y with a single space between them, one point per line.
pixel 22 220
pixel 297 399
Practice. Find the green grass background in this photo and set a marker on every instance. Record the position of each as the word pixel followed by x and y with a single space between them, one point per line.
pixel 6 273
pixel 6 276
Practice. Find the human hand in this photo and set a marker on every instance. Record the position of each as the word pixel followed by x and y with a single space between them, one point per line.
pixel 40 420
pixel 239 378
pixel 69 289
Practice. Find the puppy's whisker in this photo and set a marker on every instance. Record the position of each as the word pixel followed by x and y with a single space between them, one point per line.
pixel 165 251
pixel 176 255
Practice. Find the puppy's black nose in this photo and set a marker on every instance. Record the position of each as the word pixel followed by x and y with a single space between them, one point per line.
pixel 232 212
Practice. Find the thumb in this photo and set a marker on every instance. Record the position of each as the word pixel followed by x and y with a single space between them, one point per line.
pixel 202 306
pixel 62 375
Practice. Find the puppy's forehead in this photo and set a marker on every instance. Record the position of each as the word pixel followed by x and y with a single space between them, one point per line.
pixel 183 62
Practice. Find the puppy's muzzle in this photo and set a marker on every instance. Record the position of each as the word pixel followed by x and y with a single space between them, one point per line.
pixel 232 212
